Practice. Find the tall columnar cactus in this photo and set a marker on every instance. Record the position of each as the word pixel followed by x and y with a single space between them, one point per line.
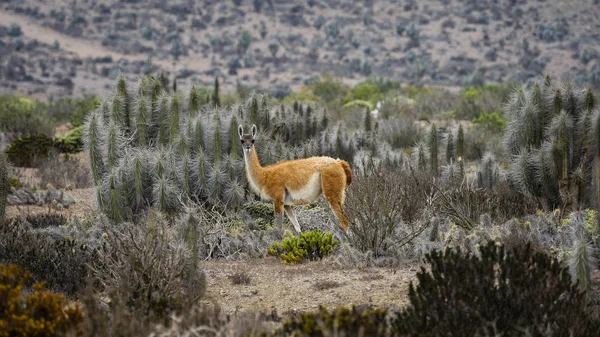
pixel 253 109
pixel 124 96
pixel 420 155
pixel 216 99
pixel 581 261
pixel 450 158
pixel 433 149
pixel 488 172
pixel 174 113
pixel 549 139
pixel 142 120
pixel 234 148
pixel 163 117
pixel 3 185
pixel 194 102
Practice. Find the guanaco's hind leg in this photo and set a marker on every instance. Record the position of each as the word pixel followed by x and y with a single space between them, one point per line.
pixel 278 212
pixel 289 210
pixel 334 186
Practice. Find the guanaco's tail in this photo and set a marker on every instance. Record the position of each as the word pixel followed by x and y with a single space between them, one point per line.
pixel 348 171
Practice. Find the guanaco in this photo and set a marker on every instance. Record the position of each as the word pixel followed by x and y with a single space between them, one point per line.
pixel 290 183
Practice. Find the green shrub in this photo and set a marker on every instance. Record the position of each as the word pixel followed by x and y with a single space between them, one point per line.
pixel 493 122
pixel 70 142
pixel 40 313
pixel 349 322
pixel 24 116
pixel 313 245
pixel 23 151
pixel 74 110
pixel 511 293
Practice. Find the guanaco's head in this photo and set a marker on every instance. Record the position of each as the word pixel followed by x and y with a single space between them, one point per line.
pixel 247 139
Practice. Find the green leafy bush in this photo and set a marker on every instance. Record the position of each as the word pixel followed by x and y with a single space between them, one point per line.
pixel 493 121
pixel 511 293
pixel 23 151
pixel 70 142
pixel 349 322
pixel 24 116
pixel 313 245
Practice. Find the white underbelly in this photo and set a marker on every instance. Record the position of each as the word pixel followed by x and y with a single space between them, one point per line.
pixel 305 195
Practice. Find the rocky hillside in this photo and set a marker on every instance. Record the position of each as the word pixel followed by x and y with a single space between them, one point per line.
pixel 57 47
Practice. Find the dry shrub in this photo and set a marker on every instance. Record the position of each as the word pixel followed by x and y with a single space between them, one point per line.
pixel 63 171
pixel 56 255
pixel 466 204
pixel 239 278
pixel 384 206
pixel 146 270
pixel 326 284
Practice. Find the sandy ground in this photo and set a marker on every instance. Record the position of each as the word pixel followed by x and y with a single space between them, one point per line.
pixel 303 287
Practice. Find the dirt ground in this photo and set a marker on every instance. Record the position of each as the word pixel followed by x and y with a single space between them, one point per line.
pixel 303 287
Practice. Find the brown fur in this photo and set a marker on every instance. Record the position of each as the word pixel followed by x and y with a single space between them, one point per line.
pixel 294 177
pixel 348 172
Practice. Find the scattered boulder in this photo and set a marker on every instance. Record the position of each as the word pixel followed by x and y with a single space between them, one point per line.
pixel 55 198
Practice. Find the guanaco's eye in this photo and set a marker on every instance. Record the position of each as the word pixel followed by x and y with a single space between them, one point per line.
pixel 252 141
pixel 242 141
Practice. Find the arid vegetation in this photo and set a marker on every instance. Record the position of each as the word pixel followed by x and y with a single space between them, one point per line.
pixel 465 184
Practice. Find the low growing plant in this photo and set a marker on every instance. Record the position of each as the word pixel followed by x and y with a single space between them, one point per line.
pixel 40 313
pixel 313 245
pixel 355 321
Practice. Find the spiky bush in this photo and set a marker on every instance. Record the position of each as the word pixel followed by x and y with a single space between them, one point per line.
pixel 581 261
pixel 552 136
pixel 152 147
pixel 488 172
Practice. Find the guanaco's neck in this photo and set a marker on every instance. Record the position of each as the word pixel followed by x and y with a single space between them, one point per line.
pixel 253 167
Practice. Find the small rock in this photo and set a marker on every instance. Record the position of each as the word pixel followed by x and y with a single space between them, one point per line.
pixel 53 194
pixel 25 196
pixel 40 197
pixel 13 200
pixel 67 201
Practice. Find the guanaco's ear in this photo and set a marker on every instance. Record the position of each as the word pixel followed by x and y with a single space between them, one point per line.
pixel 240 131
pixel 254 130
